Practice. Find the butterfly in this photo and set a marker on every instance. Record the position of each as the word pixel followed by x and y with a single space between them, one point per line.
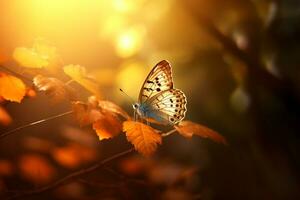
pixel 158 99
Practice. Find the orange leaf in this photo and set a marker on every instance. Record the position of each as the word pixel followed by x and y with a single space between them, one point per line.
pixel 94 109
pixel 108 126
pixel 11 88
pixel 41 55
pixel 188 129
pixel 37 144
pixel 78 74
pixel 36 168
pixel 73 155
pixel 143 137
pixel 5 118
pixel 55 88
pixel 111 107
pixel 85 114
pixel 29 58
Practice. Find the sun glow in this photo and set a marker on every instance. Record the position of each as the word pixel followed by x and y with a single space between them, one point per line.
pixel 130 42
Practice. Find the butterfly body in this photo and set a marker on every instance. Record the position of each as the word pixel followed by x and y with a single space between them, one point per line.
pixel 158 98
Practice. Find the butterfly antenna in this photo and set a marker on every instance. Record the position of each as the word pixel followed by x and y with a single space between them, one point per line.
pixel 127 95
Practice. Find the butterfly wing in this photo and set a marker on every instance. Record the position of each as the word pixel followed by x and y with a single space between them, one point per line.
pixel 168 107
pixel 159 79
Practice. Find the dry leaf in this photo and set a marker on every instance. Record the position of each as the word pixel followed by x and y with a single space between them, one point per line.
pixel 94 109
pixel 37 144
pixel 108 126
pixel 5 118
pixel 188 129
pixel 79 136
pixel 135 165
pixel 85 114
pixel 11 88
pixel 144 138
pixel 41 55
pixel 53 87
pixel 29 58
pixel 73 155
pixel 109 106
pixel 36 169
pixel 78 74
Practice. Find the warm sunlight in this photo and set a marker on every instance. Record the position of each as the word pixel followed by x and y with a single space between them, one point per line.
pixel 149 99
pixel 130 41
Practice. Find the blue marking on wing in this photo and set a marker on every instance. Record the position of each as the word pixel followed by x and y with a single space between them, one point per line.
pixel 154 115
pixel 147 112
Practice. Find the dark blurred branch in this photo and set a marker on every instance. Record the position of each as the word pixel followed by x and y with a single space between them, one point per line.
pixel 256 68
pixel 79 173
pixel 34 123
pixel 71 176
pixel 16 73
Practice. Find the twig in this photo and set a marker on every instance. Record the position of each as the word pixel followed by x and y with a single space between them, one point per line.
pixel 16 73
pixel 34 123
pixel 78 173
pixel 168 133
pixel 71 176
pixel 254 66
pixel 69 82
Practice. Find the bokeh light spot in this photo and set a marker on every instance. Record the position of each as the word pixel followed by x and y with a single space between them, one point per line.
pixel 130 41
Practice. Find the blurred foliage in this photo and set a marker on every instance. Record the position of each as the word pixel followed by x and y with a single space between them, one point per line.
pixel 237 62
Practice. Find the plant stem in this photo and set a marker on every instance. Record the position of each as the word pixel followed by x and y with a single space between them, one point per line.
pixel 71 176
pixel 3 135
pixel 168 133
pixel 16 73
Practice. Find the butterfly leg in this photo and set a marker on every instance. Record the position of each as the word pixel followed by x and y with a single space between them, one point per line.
pixel 134 115
pixel 146 117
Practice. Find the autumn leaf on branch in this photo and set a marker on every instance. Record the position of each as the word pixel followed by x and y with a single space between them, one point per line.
pixel 79 74
pixel 109 106
pixel 36 169
pixel 73 155
pixel 11 88
pixel 41 55
pixel 29 58
pixel 188 129
pixel 108 126
pixel 95 109
pixel 144 138
pixel 104 115
pixel 85 114
pixel 53 87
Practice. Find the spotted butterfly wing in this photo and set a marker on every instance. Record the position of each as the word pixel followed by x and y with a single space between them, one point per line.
pixel 168 107
pixel 158 99
pixel 159 79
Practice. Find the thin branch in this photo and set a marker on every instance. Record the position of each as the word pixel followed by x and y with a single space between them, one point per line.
pixel 168 133
pixel 78 173
pixel 3 135
pixel 16 73
pixel 69 82
pixel 71 176
pixel 254 66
